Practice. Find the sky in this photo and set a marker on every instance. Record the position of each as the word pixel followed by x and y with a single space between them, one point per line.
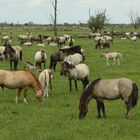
pixel 69 11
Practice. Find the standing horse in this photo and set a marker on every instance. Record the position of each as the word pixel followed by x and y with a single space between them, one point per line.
pixel 108 89
pixel 75 72
pixel 21 80
pixel 40 57
pixel 14 56
pixel 45 78
pixel 60 55
pixel 112 55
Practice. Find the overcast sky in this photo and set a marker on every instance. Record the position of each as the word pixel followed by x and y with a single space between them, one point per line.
pixel 69 11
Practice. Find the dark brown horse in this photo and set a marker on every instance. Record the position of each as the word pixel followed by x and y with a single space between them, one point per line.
pixel 108 89
pixel 14 56
pixel 62 53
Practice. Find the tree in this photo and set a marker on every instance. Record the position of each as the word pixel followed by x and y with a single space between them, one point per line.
pixel 98 21
pixel 54 18
pixel 134 18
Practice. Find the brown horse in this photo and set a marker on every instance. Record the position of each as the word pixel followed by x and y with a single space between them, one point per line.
pixel 21 80
pixel 108 89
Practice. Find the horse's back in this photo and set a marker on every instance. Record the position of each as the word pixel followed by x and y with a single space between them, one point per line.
pixel 82 70
pixel 15 79
pixel 113 88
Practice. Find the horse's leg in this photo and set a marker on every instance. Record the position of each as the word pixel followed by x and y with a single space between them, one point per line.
pixel 75 82
pixel 15 65
pixel 70 84
pixel 54 66
pixel 103 109
pixel 107 62
pixel 83 82
pixel 118 61
pixel 18 94
pixel 128 111
pixel 44 64
pixel 98 109
pixel 10 65
pixel 25 94
pixel 114 59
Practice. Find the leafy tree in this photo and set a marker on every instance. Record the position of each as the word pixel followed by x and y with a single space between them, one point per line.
pixel 98 21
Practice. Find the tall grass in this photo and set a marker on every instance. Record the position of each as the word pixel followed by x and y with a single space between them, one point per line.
pixel 56 118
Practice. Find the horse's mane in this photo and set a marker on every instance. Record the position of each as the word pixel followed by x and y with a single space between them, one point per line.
pixel 35 78
pixel 88 90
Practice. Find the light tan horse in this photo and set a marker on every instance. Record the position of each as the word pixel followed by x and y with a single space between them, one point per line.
pixel 21 80
pixel 112 55
pixel 108 89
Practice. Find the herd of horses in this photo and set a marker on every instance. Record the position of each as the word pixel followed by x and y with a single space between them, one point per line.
pixel 72 66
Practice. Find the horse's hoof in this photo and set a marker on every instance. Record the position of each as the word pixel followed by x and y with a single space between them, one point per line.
pixel 98 117
pixel 104 117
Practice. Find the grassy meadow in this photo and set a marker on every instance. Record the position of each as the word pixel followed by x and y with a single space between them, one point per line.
pixel 56 118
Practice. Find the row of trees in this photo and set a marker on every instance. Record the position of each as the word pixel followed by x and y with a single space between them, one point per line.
pixel 97 21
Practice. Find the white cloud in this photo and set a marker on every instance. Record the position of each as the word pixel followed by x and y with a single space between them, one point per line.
pixel 35 3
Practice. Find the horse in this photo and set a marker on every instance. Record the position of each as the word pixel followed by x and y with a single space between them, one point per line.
pixel 108 89
pixel 75 72
pixel 102 43
pixel 112 55
pixel 60 55
pixel 21 80
pixel 74 58
pixel 38 39
pixel 40 57
pixel 29 65
pixel 14 56
pixel 45 78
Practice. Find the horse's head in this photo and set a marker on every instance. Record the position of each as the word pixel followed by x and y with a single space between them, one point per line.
pixel 82 109
pixel 39 94
pixel 65 66
pixel 43 54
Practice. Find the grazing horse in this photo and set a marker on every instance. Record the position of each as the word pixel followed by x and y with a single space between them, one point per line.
pixel 108 89
pixel 75 72
pixel 29 65
pixel 14 56
pixel 112 55
pixel 21 80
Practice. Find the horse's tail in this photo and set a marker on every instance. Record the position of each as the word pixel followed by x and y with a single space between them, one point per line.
pixel 20 55
pixel 86 81
pixel 134 95
pixel 51 62
pixel 45 78
pixel 120 55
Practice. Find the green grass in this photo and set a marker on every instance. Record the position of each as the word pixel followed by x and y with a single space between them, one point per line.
pixel 56 118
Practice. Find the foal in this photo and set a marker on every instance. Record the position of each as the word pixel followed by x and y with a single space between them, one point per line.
pixel 112 55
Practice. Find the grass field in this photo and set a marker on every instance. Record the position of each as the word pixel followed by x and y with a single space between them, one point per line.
pixel 56 118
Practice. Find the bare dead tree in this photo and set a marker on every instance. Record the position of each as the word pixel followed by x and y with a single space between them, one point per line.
pixel 133 16
pixel 54 18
